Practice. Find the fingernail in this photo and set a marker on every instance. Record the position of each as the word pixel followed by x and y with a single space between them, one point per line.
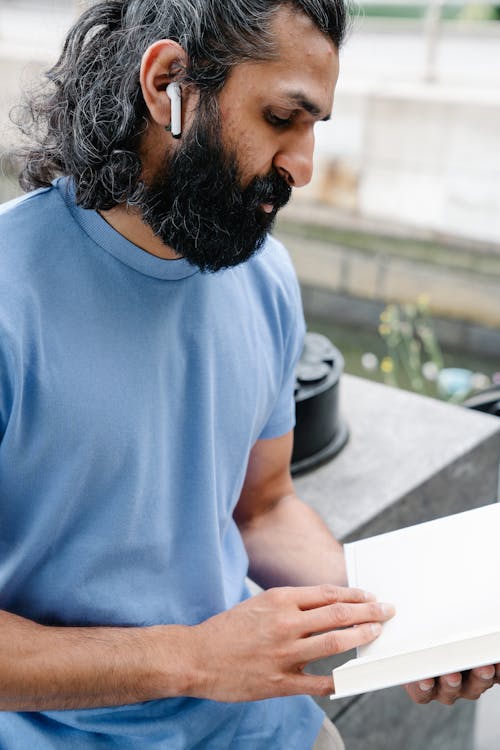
pixel 376 628
pixel 369 597
pixel 487 674
pixel 454 683
pixel 426 686
pixel 387 610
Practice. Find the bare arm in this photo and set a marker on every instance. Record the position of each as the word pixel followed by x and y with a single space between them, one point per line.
pixel 44 668
pixel 287 542
pixel 253 651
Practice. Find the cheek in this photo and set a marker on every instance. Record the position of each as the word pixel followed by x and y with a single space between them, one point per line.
pixel 255 157
pixel 251 142
pixel 243 123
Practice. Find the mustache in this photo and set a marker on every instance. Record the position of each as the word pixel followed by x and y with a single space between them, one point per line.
pixel 272 188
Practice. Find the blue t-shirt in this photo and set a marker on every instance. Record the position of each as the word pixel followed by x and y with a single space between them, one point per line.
pixel 132 390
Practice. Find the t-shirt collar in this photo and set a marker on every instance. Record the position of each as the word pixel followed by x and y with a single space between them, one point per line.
pixel 117 245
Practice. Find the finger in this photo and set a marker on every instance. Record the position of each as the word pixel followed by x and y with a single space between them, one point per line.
pixel 449 688
pixel 343 615
pixel 335 642
pixel 310 597
pixel 497 672
pixel 307 684
pixel 423 691
pixel 477 682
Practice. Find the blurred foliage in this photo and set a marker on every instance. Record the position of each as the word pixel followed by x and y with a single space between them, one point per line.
pixel 414 355
pixel 366 355
pixel 411 342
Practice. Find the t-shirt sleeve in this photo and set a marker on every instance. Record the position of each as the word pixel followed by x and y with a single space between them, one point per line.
pixel 282 418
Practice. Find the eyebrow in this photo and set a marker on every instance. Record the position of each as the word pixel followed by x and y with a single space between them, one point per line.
pixel 301 99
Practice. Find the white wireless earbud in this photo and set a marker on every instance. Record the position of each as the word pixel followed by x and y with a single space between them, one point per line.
pixel 174 94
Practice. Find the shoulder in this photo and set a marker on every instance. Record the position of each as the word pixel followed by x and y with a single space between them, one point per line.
pixel 29 226
pixel 18 206
pixel 26 222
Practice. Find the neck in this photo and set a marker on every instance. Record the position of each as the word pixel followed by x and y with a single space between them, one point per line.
pixel 128 222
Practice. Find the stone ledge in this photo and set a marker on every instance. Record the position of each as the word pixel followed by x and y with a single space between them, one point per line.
pixel 409 459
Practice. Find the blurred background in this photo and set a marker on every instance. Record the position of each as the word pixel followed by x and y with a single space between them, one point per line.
pixel 397 239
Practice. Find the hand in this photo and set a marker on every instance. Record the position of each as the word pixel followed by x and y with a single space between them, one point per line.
pixel 470 685
pixel 259 648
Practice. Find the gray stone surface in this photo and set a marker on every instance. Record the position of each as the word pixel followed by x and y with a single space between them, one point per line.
pixel 390 720
pixel 487 727
pixel 409 459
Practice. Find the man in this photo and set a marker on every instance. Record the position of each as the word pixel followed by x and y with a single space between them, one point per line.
pixel 149 329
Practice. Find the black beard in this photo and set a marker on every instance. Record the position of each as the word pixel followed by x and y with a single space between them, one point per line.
pixel 196 204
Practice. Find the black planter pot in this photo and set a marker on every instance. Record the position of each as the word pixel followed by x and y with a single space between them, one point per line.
pixel 487 401
pixel 320 432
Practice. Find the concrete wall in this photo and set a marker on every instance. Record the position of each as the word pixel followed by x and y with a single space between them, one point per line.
pixel 424 155
pixel 403 149
pixel 433 156
pixel 467 299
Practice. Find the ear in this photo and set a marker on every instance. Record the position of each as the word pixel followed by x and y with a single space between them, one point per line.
pixel 161 64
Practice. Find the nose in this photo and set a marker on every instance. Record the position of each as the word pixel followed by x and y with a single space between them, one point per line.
pixel 294 160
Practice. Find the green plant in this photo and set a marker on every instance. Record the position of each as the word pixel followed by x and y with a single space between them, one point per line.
pixel 413 352
pixel 414 358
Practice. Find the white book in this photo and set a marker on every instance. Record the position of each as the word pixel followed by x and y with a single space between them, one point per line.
pixel 443 578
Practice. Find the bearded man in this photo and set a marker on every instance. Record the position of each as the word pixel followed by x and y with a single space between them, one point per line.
pixel 149 329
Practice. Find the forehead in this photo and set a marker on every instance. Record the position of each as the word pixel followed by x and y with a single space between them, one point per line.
pixel 306 61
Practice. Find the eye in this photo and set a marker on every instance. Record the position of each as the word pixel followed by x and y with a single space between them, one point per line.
pixel 279 122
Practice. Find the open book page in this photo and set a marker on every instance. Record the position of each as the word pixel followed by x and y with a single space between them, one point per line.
pixel 442 576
